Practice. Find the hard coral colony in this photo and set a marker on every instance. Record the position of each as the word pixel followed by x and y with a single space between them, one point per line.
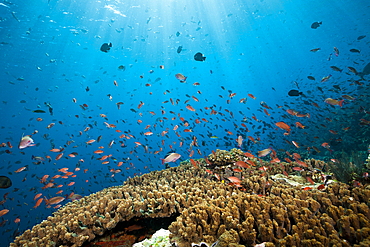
pixel 210 210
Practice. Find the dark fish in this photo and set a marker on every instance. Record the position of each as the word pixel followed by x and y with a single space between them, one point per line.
pixel 361 37
pixel 199 57
pixel 294 92
pixel 179 49
pixel 365 71
pixel 315 50
pixel 320 89
pixel 121 67
pixel 316 24
pixel 311 78
pixel 39 111
pixel 105 47
pixel 354 50
pixel 50 107
pixel 177 34
pixel 337 87
pixel 5 182
pixel 335 68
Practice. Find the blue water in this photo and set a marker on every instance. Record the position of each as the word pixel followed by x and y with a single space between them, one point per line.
pixel 50 52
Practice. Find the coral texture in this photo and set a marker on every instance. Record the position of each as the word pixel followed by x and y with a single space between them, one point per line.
pixel 276 213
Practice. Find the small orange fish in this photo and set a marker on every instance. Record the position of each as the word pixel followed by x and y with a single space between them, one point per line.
pixel 189 107
pixel 38 202
pixel 90 141
pixel 243 164
pixel 37 196
pixel 193 163
pixel 295 144
pixel 299 125
pixel 252 139
pixel 59 156
pixel 234 180
pixel 20 169
pixel 283 126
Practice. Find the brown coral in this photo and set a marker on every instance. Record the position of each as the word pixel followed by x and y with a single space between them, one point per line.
pixel 210 210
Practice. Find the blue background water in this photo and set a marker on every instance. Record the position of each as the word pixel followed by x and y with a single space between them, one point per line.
pixel 250 47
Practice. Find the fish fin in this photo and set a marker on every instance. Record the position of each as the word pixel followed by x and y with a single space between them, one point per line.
pixel 204 58
pixel 341 102
pixel 162 161
pixel 110 44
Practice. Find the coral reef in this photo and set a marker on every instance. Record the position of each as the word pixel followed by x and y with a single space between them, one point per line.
pixel 159 239
pixel 260 212
pixel 223 157
pixel 347 168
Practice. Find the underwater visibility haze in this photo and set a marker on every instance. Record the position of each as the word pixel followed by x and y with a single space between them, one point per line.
pixel 96 92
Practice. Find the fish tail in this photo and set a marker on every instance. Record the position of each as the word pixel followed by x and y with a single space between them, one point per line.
pixel 341 102
pixel 162 161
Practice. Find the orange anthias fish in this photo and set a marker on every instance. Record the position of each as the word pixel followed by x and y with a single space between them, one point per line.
pixel 189 107
pixel 283 126
pixel 38 202
pixel 3 212
pixel 193 163
pixel 333 102
pixel 20 169
pixel 54 200
pixel 299 125
pixel 251 95
pixel 234 179
pixel 242 164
